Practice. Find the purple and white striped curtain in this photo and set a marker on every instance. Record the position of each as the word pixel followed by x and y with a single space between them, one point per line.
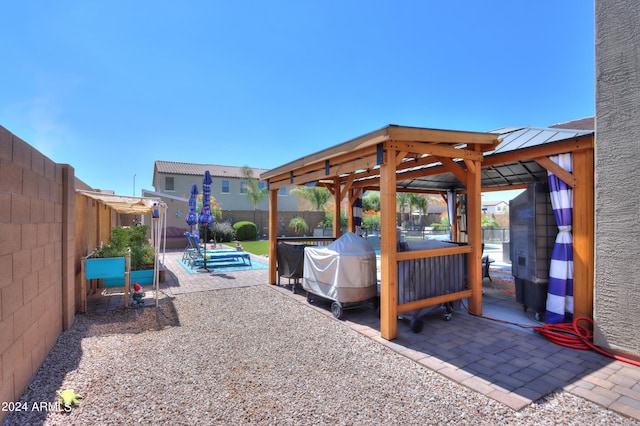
pixel 357 215
pixel 560 293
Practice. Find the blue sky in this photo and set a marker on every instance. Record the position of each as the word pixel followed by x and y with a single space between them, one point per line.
pixel 111 86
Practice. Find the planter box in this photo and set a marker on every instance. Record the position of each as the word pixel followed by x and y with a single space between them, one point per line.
pixel 108 267
pixel 141 277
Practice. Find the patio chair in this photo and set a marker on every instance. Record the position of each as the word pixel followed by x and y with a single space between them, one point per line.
pixel 486 264
pixel 189 249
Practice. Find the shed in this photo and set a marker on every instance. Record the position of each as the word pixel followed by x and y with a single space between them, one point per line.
pixel 412 159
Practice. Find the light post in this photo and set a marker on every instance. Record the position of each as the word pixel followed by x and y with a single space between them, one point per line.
pixel 134 185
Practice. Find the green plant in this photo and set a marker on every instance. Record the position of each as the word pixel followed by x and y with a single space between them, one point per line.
pixel 328 219
pixel 370 220
pixel 245 231
pixel 129 239
pixel 371 201
pixel 298 225
pixel 443 224
pixel 222 232
pixel 254 193
pixel 488 222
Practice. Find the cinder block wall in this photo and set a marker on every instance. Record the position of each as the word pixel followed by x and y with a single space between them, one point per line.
pixel 36 260
pixel 617 198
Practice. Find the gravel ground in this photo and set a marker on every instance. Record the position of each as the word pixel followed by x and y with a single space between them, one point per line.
pixel 255 356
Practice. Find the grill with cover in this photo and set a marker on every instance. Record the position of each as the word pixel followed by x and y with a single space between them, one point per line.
pixel 343 272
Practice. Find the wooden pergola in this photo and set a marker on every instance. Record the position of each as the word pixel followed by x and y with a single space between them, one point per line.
pixel 420 160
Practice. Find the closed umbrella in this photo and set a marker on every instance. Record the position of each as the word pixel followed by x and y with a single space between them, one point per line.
pixel 192 217
pixel 205 214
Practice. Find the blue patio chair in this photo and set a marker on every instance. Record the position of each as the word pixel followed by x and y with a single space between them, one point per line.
pixel 189 249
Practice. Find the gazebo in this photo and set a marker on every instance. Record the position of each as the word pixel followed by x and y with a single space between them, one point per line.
pixel 422 160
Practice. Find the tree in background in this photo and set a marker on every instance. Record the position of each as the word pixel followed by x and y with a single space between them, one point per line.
pixel 252 189
pixel 402 199
pixel 489 222
pixel 420 202
pixel 371 201
pixel 316 195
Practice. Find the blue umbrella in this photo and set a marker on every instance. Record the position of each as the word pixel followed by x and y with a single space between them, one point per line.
pixel 205 214
pixel 192 217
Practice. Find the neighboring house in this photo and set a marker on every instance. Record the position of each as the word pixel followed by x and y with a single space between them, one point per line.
pixel 227 185
pixel 495 207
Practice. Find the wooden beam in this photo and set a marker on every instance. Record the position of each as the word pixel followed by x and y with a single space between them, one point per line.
pixel 474 234
pixel 421 254
pixel 472 166
pixel 583 229
pixel 433 149
pixel 347 185
pixel 502 188
pixel 432 301
pixel 273 230
pixel 452 167
pixel 572 145
pixel 388 250
pixel 336 207
pixel 319 166
pixel 561 173
pixel 335 170
pixel 441 136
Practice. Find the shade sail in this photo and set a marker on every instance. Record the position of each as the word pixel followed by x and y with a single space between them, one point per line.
pixel 123 203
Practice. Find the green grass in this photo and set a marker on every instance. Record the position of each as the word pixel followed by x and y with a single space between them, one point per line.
pixel 255 247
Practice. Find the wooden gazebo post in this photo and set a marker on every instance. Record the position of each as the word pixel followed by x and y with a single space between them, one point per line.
pixel 273 233
pixel 388 247
pixel 474 233
pixel 336 207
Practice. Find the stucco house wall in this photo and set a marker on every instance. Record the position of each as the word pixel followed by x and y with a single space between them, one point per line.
pixel 617 174
pixel 184 175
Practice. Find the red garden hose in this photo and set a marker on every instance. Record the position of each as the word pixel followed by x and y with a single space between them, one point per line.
pixel 570 335
pixel 577 336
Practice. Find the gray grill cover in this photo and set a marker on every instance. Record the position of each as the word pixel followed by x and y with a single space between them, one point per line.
pixel 343 271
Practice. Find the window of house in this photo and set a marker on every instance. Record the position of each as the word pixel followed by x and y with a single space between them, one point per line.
pixel 282 191
pixel 225 186
pixel 243 187
pixel 262 185
pixel 168 183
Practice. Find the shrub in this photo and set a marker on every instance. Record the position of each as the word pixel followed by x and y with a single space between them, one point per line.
pixel 298 225
pixel 328 219
pixel 209 232
pixel 223 232
pixel 371 220
pixel 246 231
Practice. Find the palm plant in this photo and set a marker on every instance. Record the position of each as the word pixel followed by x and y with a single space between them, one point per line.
pixel 316 195
pixel 402 198
pixel 420 202
pixel 298 225
pixel 254 193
